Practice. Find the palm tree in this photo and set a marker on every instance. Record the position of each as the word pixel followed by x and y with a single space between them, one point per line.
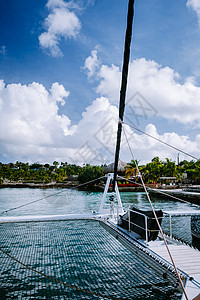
pixel 55 163
pixel 131 169
pixel 153 170
pixel 169 168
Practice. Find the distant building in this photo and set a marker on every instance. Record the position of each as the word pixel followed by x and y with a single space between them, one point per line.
pixel 168 180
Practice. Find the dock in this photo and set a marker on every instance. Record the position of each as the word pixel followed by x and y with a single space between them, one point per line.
pixel 187 260
pixel 192 197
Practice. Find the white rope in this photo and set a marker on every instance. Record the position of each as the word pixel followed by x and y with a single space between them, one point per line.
pixel 145 189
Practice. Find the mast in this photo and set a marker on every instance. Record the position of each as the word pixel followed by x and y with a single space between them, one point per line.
pixel 124 83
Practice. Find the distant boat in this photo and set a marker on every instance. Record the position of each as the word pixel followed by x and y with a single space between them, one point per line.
pixel 126 185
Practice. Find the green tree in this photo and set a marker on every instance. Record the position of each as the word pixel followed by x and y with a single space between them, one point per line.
pixel 131 169
pixel 89 173
pixel 169 168
pixel 56 164
pixel 153 170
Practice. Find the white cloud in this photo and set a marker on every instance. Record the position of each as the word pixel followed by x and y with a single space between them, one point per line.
pixel 3 50
pixel 58 92
pixel 61 3
pixel 56 3
pixel 195 5
pixel 145 148
pixel 33 129
pixel 29 115
pixel 162 92
pixel 110 78
pixel 94 137
pixel 60 23
pixel 160 89
pixel 92 64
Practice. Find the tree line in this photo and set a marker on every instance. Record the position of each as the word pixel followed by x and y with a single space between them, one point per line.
pixel 46 173
pixel 152 172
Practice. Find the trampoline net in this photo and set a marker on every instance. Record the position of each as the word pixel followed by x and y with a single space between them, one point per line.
pixel 80 259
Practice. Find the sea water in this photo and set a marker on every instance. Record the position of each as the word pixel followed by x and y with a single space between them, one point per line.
pixel 26 201
pixel 81 254
pixel 66 201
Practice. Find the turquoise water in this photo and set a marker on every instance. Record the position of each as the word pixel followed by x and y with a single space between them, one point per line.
pixel 66 202
pixel 86 261
pixel 70 201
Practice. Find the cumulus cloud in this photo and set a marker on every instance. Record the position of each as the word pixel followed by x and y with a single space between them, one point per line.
pixel 145 148
pixel 94 139
pixel 60 23
pixel 159 88
pixel 33 129
pixel 3 50
pixel 29 115
pixel 92 64
pixel 51 4
pixel 195 5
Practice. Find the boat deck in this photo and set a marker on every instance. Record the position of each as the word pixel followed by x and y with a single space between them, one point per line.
pixel 74 259
pixel 55 256
pixel 187 259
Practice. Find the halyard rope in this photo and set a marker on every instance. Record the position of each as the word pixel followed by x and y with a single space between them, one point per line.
pixel 147 194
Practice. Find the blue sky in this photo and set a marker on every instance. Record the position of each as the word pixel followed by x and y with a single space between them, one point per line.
pixel 60 70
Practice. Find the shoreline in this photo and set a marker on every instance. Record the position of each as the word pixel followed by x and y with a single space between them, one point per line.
pixel 75 183
pixel 39 185
pixel 191 197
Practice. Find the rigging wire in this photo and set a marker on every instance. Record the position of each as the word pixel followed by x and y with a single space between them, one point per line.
pixel 159 226
pixel 48 196
pixel 153 137
pixel 160 192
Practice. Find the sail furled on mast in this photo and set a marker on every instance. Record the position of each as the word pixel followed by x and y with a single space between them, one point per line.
pixel 124 83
